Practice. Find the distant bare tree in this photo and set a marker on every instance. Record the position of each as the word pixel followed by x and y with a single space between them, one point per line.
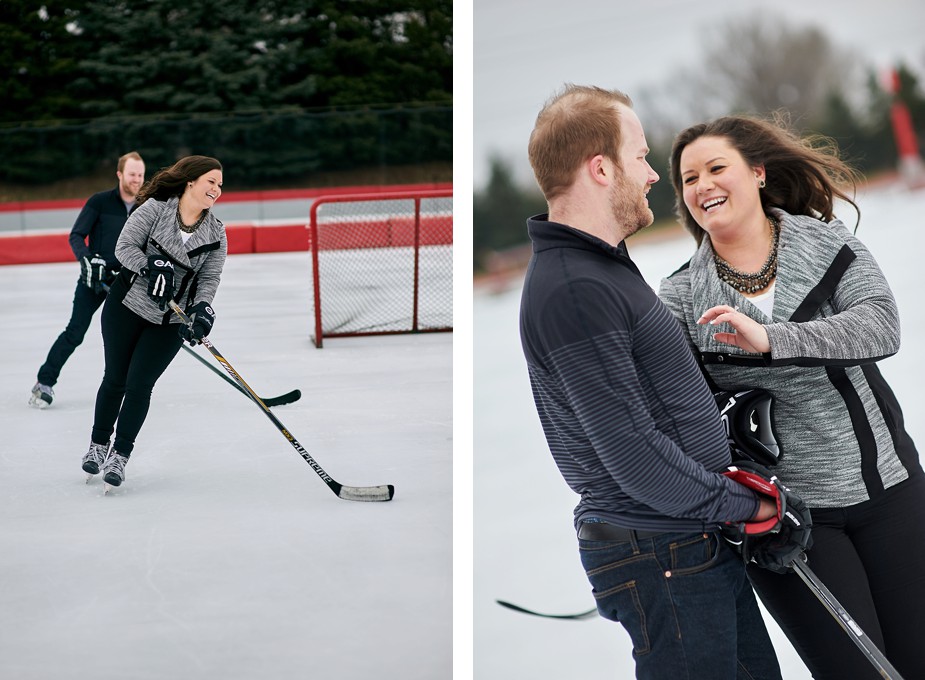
pixel 760 65
pixel 756 64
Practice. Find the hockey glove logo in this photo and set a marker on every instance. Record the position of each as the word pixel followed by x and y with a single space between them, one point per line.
pixel 160 280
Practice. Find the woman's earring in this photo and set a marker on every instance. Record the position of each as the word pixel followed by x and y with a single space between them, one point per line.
pixel 761 183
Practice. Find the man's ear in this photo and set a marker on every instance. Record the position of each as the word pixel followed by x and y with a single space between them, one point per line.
pixel 599 169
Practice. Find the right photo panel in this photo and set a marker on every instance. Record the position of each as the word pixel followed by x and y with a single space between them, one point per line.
pixel 695 391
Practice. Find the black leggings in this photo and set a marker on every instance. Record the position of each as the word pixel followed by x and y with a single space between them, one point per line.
pixel 137 352
pixel 872 557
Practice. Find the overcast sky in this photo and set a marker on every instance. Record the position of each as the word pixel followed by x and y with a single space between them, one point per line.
pixel 523 52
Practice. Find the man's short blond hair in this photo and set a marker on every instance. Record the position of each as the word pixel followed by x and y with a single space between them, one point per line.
pixel 576 124
pixel 134 155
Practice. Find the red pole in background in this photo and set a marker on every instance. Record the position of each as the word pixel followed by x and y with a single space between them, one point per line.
pixel 911 168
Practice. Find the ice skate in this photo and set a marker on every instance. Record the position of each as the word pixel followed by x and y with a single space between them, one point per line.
pixel 94 459
pixel 113 470
pixel 42 396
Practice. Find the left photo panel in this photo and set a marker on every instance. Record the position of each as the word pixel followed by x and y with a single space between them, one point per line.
pixel 227 253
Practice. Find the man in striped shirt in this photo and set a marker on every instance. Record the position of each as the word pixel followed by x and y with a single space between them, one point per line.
pixel 627 414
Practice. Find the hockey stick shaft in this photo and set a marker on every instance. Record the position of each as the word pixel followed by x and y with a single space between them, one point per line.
pixel 517 608
pixel 848 624
pixel 287 398
pixel 350 493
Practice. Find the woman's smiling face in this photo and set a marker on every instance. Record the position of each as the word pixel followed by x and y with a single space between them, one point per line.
pixel 720 188
pixel 206 189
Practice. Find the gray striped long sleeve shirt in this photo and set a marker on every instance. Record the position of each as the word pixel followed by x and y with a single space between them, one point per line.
pixel 627 415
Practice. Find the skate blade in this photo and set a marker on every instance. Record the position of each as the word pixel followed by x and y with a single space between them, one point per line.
pixel 38 403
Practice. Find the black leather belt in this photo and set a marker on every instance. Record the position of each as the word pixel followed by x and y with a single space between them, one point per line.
pixel 601 531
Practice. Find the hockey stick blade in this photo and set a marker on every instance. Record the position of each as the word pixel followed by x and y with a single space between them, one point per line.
pixel 573 617
pixel 384 492
pixel 366 493
pixel 287 398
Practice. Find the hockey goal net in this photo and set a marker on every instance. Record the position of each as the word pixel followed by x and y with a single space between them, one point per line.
pixel 382 263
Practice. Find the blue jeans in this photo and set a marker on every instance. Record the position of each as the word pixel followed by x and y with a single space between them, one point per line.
pixel 86 302
pixel 687 605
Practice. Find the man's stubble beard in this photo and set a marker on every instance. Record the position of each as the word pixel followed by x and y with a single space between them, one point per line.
pixel 629 207
pixel 127 189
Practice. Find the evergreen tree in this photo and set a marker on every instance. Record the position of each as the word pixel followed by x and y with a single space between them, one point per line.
pixel 38 58
pixel 911 93
pixel 156 56
pixel 500 212
pixel 277 89
pixel 172 56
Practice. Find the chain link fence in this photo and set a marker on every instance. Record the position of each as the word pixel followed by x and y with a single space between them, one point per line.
pixel 258 149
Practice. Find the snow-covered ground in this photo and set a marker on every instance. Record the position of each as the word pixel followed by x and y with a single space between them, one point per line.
pixel 524 544
pixel 224 555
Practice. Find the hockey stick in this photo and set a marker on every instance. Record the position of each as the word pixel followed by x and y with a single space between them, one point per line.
pixel 848 624
pixel 347 493
pixel 579 615
pixel 287 398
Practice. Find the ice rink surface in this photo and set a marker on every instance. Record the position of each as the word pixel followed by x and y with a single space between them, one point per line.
pixel 524 542
pixel 224 555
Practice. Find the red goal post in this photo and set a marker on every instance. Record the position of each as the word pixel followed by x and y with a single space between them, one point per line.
pixel 382 263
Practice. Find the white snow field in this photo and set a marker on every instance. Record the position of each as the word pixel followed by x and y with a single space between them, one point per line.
pixel 524 544
pixel 224 555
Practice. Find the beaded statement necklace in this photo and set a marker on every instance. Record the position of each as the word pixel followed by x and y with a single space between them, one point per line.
pixel 189 229
pixel 746 282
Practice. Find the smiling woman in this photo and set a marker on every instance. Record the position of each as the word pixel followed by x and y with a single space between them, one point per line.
pixel 196 201
pixel 811 331
pixel 172 249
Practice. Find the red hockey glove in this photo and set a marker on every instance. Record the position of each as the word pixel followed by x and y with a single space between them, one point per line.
pixel 776 542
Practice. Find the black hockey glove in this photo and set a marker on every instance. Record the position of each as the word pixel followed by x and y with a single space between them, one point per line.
pixel 109 277
pixel 93 272
pixel 772 544
pixel 160 280
pixel 202 316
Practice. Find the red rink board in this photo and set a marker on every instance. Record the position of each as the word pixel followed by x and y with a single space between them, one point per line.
pixel 248 237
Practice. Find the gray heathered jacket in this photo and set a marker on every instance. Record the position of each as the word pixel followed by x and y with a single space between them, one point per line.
pixel 152 230
pixel 839 426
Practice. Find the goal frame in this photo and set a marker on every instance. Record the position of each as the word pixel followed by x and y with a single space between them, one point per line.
pixel 417 197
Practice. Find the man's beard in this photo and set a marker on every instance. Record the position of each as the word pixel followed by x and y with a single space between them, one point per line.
pixel 129 190
pixel 629 207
